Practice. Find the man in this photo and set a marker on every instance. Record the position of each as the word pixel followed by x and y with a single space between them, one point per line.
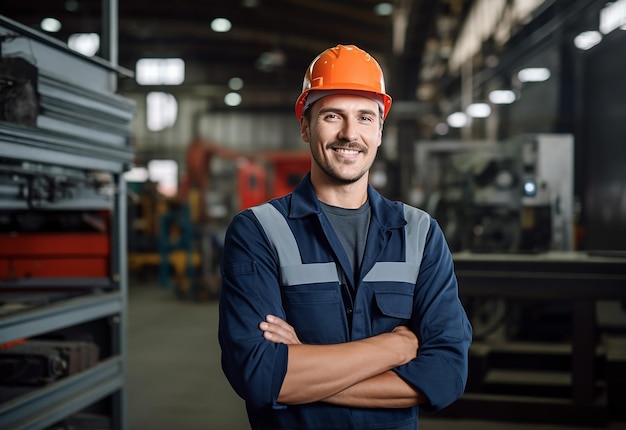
pixel 339 308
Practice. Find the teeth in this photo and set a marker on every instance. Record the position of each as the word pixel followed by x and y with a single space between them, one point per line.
pixel 347 151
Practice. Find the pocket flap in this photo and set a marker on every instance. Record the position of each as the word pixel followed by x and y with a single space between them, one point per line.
pixel 395 303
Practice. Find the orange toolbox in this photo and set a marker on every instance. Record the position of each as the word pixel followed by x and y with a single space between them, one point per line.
pixel 53 255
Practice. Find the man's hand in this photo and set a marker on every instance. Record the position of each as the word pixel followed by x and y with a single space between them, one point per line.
pixel 411 340
pixel 278 331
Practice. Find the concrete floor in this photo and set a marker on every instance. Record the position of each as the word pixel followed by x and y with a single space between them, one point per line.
pixel 175 380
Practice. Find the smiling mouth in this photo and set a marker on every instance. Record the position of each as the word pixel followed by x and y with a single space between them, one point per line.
pixel 346 151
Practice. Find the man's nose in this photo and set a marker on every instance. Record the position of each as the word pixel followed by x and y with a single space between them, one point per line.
pixel 348 131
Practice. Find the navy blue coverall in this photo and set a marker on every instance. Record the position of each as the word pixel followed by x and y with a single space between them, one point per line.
pixel 283 258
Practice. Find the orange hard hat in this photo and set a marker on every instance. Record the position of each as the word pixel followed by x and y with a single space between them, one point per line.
pixel 344 68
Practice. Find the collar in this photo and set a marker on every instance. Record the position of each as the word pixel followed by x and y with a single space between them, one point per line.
pixel 304 202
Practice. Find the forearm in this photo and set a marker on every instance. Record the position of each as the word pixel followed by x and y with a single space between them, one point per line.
pixel 316 372
pixel 386 390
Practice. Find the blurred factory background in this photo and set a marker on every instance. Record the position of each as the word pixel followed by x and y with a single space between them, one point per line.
pixel 131 132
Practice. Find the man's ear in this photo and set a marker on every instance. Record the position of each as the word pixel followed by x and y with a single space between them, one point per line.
pixel 304 130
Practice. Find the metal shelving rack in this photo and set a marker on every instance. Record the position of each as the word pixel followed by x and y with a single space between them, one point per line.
pixel 81 140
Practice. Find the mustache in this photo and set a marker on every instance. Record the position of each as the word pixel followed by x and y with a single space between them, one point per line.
pixel 346 145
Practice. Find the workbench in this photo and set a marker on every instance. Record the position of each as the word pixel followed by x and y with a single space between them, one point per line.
pixel 579 279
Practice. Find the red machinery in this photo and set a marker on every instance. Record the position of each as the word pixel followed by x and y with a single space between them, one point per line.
pixel 260 175
pixel 218 183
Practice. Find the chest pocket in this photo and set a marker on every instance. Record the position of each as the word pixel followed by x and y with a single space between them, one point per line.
pixel 393 283
pixel 310 292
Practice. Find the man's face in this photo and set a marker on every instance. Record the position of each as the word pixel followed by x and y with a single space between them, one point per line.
pixel 344 133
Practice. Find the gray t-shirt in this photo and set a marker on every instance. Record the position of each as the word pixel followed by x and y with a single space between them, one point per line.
pixel 351 225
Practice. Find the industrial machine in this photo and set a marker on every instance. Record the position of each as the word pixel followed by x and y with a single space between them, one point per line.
pixel 540 352
pixel 189 229
pixel 507 209
pixel 510 196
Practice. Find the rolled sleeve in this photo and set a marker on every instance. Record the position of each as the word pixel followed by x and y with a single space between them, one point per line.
pixel 254 366
pixel 440 370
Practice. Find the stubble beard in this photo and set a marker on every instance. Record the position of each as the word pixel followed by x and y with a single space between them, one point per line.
pixel 334 173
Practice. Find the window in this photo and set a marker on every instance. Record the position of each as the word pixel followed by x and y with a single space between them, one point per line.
pixel 161 110
pixel 160 71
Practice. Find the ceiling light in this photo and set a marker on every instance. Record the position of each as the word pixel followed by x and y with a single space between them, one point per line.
pixel 442 129
pixel 50 25
pixel 85 43
pixel 458 120
pixel 587 40
pixel 235 83
pixel 221 25
pixel 478 110
pixel 232 99
pixel 613 16
pixel 269 61
pixel 502 97
pixel 383 9
pixel 534 74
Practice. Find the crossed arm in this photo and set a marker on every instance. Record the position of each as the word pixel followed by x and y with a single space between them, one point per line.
pixel 356 374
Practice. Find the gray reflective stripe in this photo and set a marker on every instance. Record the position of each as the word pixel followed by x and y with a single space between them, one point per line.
pixel 418 223
pixel 292 271
pixel 392 271
pixel 279 233
pixel 309 273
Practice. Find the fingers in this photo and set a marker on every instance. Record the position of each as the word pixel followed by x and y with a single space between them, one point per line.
pixel 401 328
pixel 408 334
pixel 404 331
pixel 278 331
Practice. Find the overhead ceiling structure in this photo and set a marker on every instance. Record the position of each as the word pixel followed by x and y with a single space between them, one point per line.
pixel 270 42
